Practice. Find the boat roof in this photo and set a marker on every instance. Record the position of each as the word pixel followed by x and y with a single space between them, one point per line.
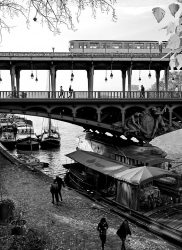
pixel 117 170
pixel 97 162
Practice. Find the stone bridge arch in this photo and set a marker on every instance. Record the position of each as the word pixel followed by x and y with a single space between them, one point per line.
pixel 86 112
pixel 62 110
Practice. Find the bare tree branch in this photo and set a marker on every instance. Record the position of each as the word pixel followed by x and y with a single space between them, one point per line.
pixel 54 13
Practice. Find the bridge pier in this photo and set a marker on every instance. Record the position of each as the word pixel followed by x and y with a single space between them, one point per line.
pixel 123 82
pixel 12 74
pixel 90 77
pixel 98 116
pixel 129 72
pixel 157 79
pixel 123 117
pixel 166 72
pixel 17 75
pixel 53 78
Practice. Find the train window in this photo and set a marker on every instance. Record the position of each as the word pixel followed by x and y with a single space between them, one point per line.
pixel 130 45
pixel 164 45
pixel 148 45
pixel 71 45
pixel 115 46
pixel 103 45
pixel 85 46
pixel 94 45
pixel 139 45
pixel 80 45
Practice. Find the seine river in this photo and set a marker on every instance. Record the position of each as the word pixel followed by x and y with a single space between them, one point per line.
pixel 171 143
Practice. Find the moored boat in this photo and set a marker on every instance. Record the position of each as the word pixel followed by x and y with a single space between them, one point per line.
pixel 26 138
pixel 141 192
pixel 50 138
pixel 8 138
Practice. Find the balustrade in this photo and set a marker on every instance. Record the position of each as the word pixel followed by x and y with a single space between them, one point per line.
pixel 91 95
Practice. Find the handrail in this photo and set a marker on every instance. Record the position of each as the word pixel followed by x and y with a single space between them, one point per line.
pixel 91 95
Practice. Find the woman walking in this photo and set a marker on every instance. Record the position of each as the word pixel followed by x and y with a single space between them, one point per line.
pixel 102 228
pixel 122 232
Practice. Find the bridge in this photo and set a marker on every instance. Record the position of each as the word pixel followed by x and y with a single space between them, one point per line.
pixel 15 62
pixel 129 113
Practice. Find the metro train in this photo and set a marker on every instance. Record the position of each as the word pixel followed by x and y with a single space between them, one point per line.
pixel 116 46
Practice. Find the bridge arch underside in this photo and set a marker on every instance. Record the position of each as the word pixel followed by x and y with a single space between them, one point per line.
pixel 142 121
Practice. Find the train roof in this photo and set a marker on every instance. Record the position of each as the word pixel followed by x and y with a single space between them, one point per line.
pixel 114 41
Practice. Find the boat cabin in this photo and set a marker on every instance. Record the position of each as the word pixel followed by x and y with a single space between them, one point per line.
pixel 139 188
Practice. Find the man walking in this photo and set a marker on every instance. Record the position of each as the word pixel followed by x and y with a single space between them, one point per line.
pixel 60 184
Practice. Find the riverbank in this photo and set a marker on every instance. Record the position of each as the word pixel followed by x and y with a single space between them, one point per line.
pixel 72 224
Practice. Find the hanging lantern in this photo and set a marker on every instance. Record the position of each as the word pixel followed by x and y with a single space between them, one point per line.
pixel 139 79
pixel 149 75
pixel 111 75
pixel 0 77
pixel 106 76
pixel 36 78
pixel 32 75
pixel 72 75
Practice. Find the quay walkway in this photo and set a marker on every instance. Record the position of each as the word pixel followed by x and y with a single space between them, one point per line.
pixel 72 224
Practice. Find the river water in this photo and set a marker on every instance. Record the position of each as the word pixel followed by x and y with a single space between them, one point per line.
pixel 171 143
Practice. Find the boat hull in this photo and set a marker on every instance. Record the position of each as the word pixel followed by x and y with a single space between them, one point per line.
pixel 27 144
pixel 9 144
pixel 50 143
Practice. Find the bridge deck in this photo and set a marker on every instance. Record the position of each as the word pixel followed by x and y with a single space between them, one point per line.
pixel 91 95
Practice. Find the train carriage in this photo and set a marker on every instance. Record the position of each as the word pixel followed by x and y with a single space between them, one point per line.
pixel 116 46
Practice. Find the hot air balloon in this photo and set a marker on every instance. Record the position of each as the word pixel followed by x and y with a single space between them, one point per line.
pixel 158 13
pixel 174 7
pixel 173 42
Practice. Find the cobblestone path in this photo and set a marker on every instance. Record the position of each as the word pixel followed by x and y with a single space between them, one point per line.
pixel 72 224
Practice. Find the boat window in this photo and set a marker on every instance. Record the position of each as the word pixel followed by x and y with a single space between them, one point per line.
pixel 118 157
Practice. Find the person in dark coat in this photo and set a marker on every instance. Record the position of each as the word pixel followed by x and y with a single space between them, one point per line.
pixel 122 232
pixel 61 184
pixel 142 91
pixel 54 191
pixel 102 228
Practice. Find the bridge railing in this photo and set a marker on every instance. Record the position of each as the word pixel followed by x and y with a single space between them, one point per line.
pixel 91 95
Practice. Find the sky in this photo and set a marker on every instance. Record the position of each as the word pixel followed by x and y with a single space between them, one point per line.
pixel 135 21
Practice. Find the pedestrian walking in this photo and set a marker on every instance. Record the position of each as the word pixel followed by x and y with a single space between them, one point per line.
pixel 54 191
pixel 60 184
pixel 102 228
pixel 61 94
pixel 142 91
pixel 122 232
pixel 70 91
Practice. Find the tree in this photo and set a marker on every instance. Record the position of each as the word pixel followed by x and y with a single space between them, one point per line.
pixel 54 13
pixel 175 79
